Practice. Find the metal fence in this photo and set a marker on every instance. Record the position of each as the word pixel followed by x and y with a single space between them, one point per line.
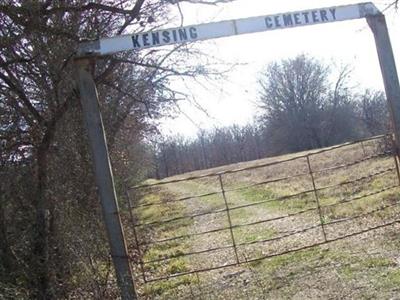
pixel 235 217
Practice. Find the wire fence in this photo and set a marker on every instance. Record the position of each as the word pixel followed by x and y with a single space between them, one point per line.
pixel 184 227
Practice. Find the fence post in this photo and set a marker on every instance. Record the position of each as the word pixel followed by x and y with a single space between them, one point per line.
pixel 104 179
pixel 229 217
pixel 316 197
pixel 387 64
pixel 395 157
pixel 135 235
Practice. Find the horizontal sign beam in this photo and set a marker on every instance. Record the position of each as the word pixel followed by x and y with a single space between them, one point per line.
pixel 227 28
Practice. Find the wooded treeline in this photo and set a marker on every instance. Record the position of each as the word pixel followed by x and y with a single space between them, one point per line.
pixel 303 105
pixel 52 241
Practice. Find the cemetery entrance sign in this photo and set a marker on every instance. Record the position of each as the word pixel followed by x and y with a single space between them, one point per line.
pixel 89 51
pixel 214 30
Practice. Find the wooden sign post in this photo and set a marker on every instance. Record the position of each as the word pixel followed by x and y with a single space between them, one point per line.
pixel 388 70
pixel 104 178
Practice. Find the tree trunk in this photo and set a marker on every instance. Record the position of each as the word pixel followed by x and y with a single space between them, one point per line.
pixel 43 218
pixel 9 262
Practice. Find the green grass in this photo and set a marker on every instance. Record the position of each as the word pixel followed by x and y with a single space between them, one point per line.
pixel 246 234
pixel 283 272
pixel 392 279
pixel 174 248
pixel 361 267
pixel 167 288
pixel 274 200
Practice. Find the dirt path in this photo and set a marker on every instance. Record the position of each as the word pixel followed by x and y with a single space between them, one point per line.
pixel 249 281
pixel 236 277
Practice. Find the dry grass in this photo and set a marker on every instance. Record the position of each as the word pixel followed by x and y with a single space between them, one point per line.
pixel 364 266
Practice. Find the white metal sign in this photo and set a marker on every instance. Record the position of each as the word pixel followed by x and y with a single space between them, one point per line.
pixel 227 28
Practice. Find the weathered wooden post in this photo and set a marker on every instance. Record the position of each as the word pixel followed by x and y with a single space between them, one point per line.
pixel 104 179
pixel 387 63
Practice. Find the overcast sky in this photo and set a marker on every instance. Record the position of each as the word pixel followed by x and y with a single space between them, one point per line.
pixel 232 101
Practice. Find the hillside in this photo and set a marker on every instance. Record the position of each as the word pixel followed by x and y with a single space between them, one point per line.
pixel 319 224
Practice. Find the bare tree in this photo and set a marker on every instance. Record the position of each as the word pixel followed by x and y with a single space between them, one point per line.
pixel 373 112
pixel 301 109
pixel 211 148
pixel 40 129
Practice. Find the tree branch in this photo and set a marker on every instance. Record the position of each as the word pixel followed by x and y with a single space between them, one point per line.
pixel 19 91
pixel 133 13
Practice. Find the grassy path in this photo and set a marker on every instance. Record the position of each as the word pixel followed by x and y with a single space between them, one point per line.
pixel 349 269
pixel 366 266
